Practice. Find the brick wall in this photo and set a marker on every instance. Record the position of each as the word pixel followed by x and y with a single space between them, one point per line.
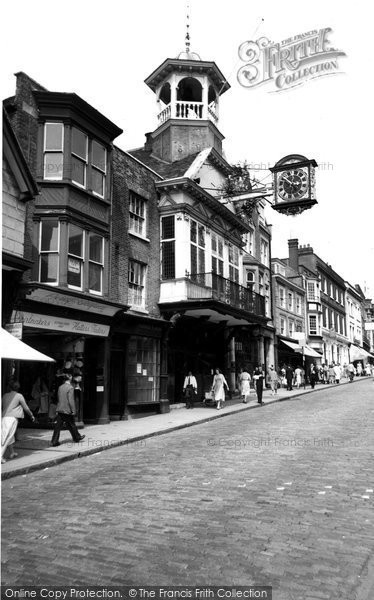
pixel 128 174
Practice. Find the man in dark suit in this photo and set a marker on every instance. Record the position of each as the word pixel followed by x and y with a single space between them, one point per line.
pixel 289 377
pixel 65 412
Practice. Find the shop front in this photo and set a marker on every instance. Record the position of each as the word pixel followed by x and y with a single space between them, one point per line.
pixel 75 332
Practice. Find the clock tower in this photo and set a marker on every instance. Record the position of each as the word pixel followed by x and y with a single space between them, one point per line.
pixel 187 91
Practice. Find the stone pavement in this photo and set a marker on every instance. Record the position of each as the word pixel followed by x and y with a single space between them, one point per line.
pixel 282 496
pixel 34 450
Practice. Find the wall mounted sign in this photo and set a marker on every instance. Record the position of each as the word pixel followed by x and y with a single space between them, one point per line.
pixel 69 301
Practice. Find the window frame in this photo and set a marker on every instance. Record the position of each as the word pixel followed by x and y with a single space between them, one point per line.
pixel 81 259
pixel 135 217
pixel 94 167
pixel 56 150
pixel 80 158
pixel 312 331
pixel 164 241
pixel 94 262
pixel 136 286
pixel 43 252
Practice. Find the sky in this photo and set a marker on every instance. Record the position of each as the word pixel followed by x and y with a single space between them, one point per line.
pixel 104 51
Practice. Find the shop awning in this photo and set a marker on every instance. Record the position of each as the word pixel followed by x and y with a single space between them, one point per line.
pixel 308 351
pixel 14 349
pixel 357 353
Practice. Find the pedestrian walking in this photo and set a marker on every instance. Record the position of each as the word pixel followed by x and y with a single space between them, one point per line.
pixel 218 388
pixel 331 374
pixel 338 373
pixel 298 377
pixel 289 377
pixel 190 389
pixel 244 385
pixel 359 369
pixel 66 412
pixel 325 374
pixel 312 375
pixel 273 378
pixel 13 408
pixel 258 377
pixel 351 372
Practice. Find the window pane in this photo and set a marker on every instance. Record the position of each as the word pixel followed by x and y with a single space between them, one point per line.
pixel 98 156
pixel 78 171
pixel 53 136
pixel 168 260
pixel 96 248
pixel 53 165
pixel 201 236
pixel 74 272
pixel 193 231
pixel 193 259
pixel 79 143
pixel 75 240
pixel 95 277
pixel 48 268
pixel 97 180
pixel 49 238
pixel 168 228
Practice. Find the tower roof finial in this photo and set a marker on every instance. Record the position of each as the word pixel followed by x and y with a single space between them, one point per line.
pixel 188 28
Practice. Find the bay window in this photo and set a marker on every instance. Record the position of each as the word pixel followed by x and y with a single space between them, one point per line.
pixel 217 254
pixel 233 263
pixel 98 168
pixel 168 247
pixel 79 157
pixel 53 159
pixel 95 263
pixel 75 257
pixel 49 245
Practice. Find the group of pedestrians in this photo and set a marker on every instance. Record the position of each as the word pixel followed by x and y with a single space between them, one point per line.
pixel 14 407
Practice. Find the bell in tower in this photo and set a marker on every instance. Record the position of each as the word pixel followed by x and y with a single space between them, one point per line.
pixel 187 91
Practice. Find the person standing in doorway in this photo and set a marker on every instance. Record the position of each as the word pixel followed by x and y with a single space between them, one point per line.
pixel 218 388
pixel 258 377
pixel 190 389
pixel 66 412
pixel 289 377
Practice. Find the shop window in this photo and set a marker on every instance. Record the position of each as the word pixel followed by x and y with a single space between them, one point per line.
pixel 137 215
pixel 143 370
pixel 49 243
pixel 136 283
pixel 168 247
pixel 53 151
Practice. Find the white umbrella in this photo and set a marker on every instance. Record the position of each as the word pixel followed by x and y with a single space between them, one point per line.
pixel 14 349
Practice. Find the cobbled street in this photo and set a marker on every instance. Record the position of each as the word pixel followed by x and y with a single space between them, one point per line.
pixel 281 495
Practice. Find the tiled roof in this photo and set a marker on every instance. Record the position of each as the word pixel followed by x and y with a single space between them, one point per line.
pixel 165 169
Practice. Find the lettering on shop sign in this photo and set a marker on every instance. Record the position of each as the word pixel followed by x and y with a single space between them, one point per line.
pixel 50 297
pixel 62 324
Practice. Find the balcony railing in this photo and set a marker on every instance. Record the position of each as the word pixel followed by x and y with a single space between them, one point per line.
pixel 188 110
pixel 210 285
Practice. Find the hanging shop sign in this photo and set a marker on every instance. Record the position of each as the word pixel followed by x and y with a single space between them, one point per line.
pixel 15 329
pixel 67 325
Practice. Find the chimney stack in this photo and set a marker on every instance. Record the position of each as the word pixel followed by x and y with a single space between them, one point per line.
pixel 293 254
pixel 148 142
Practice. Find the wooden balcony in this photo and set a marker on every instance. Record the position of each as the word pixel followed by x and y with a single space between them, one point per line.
pixel 202 287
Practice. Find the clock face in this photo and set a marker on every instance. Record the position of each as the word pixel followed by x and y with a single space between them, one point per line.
pixel 292 184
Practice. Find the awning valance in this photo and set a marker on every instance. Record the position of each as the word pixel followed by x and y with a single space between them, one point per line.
pixel 357 353
pixel 14 349
pixel 308 351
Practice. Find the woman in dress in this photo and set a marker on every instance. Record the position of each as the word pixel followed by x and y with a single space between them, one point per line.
pixel 13 407
pixel 245 384
pixel 218 388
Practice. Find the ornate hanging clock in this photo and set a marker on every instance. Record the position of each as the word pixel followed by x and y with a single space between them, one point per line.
pixel 294 184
